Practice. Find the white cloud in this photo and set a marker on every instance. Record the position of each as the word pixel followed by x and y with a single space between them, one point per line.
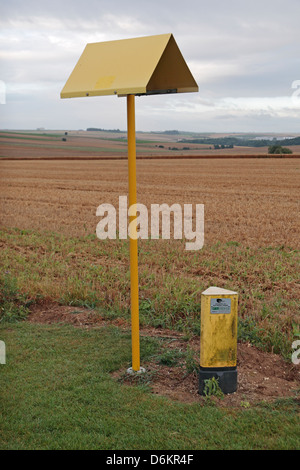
pixel 281 105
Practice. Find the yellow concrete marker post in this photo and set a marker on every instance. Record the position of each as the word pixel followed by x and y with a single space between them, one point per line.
pixel 139 66
pixel 218 338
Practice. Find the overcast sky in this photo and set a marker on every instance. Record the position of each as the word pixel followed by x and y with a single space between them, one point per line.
pixel 244 55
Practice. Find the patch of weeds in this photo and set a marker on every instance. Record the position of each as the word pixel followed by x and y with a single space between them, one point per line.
pixel 172 309
pixel 296 330
pixel 192 366
pixel 149 347
pixel 147 312
pixel 265 311
pixel 232 243
pixel 112 312
pixel 142 380
pixel 189 325
pixel 78 295
pixel 288 405
pixel 13 304
pixel 170 357
pixel 276 340
pixel 248 331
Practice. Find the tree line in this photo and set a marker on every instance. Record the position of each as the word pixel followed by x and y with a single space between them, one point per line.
pixel 241 142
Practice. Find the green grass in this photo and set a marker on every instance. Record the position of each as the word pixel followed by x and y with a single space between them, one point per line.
pixel 57 392
pixel 40 137
pixel 66 146
pixel 37 134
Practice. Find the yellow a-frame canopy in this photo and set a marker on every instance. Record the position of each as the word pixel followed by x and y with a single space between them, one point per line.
pixel 139 66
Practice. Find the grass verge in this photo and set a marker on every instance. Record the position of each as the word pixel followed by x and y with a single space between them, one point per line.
pixel 57 392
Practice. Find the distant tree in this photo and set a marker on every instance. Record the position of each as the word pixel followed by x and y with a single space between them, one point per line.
pixel 277 149
pixel 223 146
pixel 172 132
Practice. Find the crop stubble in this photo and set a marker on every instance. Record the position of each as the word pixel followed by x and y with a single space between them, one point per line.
pixel 253 202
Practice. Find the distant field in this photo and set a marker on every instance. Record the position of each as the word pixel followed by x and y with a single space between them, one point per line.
pixel 100 145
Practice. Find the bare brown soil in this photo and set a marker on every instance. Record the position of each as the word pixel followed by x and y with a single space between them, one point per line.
pixel 262 376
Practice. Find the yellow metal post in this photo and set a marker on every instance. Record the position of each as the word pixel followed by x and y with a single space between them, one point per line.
pixel 134 288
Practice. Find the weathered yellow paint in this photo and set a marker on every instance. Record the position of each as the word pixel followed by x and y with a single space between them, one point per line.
pixel 146 65
pixel 218 339
pixel 133 244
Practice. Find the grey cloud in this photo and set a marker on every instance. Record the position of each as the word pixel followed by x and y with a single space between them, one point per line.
pixel 234 49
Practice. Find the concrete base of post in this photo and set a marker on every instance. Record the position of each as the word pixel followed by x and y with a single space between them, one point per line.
pixel 133 372
pixel 227 378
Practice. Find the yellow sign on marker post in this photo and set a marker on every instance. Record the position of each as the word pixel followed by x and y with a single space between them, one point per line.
pixel 139 66
pixel 218 338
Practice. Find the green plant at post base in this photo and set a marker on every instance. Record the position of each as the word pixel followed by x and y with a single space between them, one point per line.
pixel 212 388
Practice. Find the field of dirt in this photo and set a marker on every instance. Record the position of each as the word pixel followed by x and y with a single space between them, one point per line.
pixel 251 201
